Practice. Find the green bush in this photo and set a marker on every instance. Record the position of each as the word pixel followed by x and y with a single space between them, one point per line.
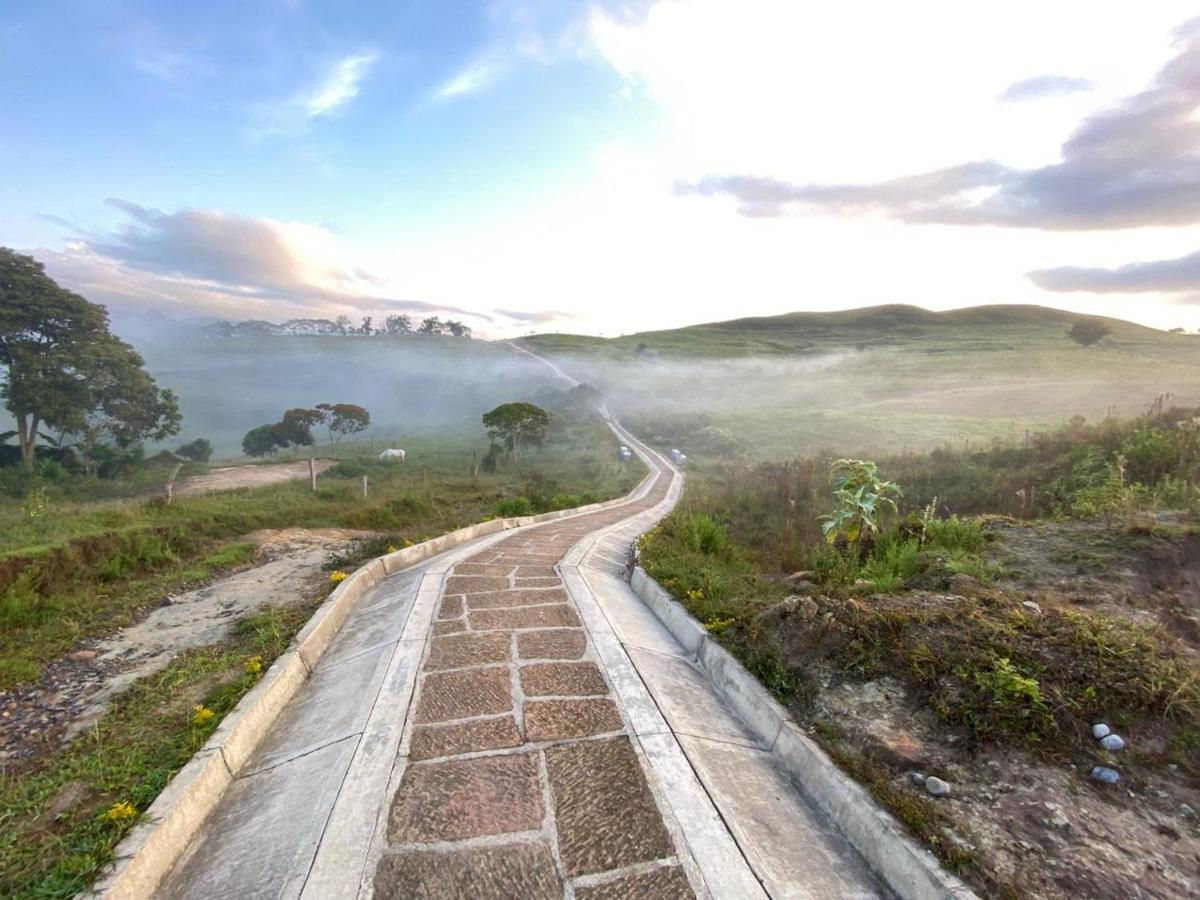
pixel 955 534
pixel 894 561
pixel 706 535
pixel 514 506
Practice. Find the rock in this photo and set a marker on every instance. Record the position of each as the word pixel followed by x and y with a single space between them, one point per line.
pixel 1100 730
pixel 916 778
pixel 1186 811
pixel 82 655
pixel 797 577
pixel 1032 606
pixel 1105 775
pixel 1056 818
pixel 1113 742
pixel 898 747
pixel 806 607
pixel 964 585
pixel 804 586
pixel 937 787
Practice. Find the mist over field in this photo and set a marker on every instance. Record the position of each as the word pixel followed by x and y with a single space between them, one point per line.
pixel 413 384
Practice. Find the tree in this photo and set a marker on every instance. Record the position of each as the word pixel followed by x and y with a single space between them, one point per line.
pixel 365 328
pixel 517 424
pixel 432 325
pixel 344 419
pixel 343 324
pixel 199 450
pixel 1177 331
pixel 397 325
pixel 583 399
pixel 64 370
pixel 262 441
pixel 295 428
pixel 457 329
pixel 1086 332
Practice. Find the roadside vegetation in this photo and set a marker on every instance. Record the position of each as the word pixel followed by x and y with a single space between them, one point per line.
pixel 60 820
pixel 1011 598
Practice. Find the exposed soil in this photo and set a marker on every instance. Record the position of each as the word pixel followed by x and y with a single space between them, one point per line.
pixel 1031 823
pixel 76 689
pixel 234 477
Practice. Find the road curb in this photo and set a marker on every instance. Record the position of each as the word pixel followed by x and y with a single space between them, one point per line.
pixel 912 872
pixel 149 851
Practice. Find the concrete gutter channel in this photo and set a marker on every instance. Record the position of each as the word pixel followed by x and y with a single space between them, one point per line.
pixel 907 869
pixel 154 847
pixel 160 840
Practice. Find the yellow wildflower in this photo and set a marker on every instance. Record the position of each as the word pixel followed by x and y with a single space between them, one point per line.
pixel 338 577
pixel 254 665
pixel 122 811
pixel 407 542
pixel 202 715
pixel 391 548
pixel 695 595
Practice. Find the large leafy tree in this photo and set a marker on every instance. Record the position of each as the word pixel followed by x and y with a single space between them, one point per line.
pixel 295 428
pixel 517 424
pixel 63 370
pixel 344 419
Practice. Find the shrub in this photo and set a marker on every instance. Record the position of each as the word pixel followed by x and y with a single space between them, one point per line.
pixel 514 506
pixel 706 535
pixel 199 450
pixel 955 534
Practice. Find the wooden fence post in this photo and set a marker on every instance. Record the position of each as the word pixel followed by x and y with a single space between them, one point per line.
pixel 312 474
pixel 364 487
pixel 171 483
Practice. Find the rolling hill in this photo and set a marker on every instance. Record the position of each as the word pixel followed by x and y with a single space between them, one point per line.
pixel 878 379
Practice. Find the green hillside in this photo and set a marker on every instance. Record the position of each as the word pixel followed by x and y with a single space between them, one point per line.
pixel 881 379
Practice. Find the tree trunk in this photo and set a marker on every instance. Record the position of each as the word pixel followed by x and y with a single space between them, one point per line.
pixel 27 426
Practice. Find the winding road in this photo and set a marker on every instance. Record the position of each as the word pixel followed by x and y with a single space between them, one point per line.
pixel 508 720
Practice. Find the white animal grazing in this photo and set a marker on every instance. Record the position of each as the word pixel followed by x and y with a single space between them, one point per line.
pixel 393 453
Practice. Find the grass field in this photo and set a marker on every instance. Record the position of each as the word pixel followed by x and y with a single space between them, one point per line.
pixel 80 569
pixel 877 380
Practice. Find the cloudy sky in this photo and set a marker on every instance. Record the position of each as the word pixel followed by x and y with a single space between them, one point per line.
pixel 605 166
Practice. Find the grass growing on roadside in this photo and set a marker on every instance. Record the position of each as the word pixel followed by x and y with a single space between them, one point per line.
pixel 82 572
pixel 61 819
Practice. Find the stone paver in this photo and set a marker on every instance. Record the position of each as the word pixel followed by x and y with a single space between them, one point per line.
pixel 553 720
pixel 581 679
pixel 523 871
pixel 429 741
pixel 462 695
pixel 465 798
pixel 605 813
pixel 558 643
pixel 666 883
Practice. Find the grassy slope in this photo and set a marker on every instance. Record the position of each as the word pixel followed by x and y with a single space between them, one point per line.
pixel 85 569
pixel 881 379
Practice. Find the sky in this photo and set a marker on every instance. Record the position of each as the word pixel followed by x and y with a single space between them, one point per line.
pixel 604 167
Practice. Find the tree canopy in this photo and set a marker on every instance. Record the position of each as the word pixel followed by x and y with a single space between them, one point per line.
pixel 64 370
pixel 517 424
pixel 262 441
pixel 1088 331
pixel 344 419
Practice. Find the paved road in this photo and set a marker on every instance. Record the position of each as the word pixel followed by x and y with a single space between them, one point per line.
pixel 508 720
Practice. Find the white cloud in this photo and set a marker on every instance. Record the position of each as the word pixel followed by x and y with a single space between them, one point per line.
pixel 340 84
pixel 475 77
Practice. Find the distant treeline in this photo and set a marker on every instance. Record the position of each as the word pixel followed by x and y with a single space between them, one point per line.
pixel 392 326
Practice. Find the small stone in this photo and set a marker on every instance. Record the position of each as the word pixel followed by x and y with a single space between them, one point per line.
pixel 83 655
pixel 1113 742
pixel 1057 819
pixel 1186 811
pixel 797 577
pixel 916 778
pixel 1105 775
pixel 937 787
pixel 1032 606
pixel 1100 730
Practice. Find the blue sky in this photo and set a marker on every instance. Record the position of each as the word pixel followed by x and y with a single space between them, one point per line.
pixel 600 166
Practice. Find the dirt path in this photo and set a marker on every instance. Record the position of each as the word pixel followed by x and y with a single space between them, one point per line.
pixel 233 477
pixel 77 689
